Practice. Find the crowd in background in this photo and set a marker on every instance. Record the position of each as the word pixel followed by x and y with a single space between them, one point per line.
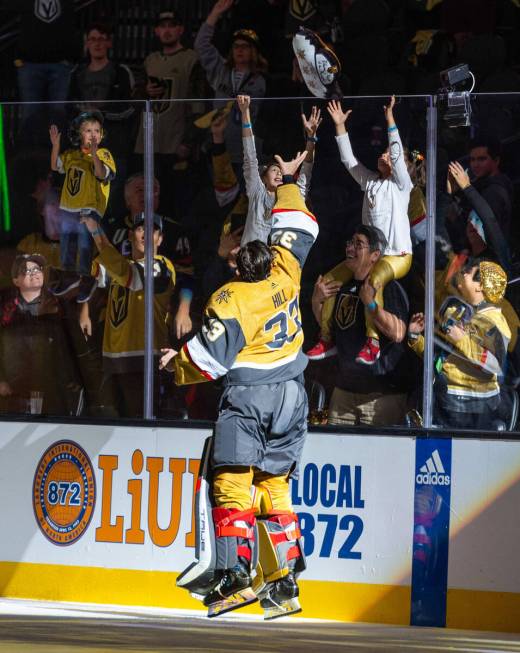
pixel 203 188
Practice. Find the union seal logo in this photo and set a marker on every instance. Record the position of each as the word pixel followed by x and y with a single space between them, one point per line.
pixel 64 492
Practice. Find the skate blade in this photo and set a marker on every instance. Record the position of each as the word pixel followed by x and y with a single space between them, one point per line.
pixel 233 602
pixel 283 609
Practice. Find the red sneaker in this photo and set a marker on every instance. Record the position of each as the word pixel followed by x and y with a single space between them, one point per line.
pixel 322 350
pixel 369 353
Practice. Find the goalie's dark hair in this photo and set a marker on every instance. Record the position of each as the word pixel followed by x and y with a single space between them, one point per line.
pixel 254 261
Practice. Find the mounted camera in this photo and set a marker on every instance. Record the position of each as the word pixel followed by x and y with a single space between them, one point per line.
pixel 455 97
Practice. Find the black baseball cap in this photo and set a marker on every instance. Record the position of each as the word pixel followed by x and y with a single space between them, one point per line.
pixel 138 221
pixel 169 15
pixel 248 35
pixel 20 263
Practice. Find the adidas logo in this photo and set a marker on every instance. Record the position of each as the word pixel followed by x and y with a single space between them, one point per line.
pixel 433 472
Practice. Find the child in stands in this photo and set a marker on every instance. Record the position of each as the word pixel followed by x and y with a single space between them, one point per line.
pixel 88 171
pixel 385 206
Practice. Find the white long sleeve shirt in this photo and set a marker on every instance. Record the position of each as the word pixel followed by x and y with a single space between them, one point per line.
pixel 385 204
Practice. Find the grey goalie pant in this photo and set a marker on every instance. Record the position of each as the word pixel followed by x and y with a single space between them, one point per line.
pixel 262 426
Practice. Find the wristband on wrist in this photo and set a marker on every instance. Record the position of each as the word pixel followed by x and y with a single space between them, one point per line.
pixel 287 179
pixel 96 232
pixel 312 139
pixel 372 307
pixel 186 293
pixel 393 128
pixel 246 125
pixel 412 336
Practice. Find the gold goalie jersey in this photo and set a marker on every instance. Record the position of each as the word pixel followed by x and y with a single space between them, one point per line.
pixel 252 332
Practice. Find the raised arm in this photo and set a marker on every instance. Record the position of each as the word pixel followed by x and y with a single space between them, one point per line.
pixel 55 137
pixel 310 127
pixel 399 170
pixel 361 174
pixel 122 270
pixel 209 56
pixel 492 231
pixel 250 166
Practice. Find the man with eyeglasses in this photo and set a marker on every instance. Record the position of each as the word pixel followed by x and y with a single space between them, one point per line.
pixel 375 394
pixel 33 341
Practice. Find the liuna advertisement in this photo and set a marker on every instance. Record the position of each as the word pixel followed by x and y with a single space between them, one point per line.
pixel 395 529
pixel 100 498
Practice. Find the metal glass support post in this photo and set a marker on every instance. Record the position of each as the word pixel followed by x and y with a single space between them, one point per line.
pixel 148 263
pixel 431 206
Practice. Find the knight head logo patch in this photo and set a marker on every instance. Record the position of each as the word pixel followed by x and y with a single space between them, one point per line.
pixel 47 10
pixel 163 103
pixel 74 177
pixel 119 297
pixel 302 10
pixel 346 308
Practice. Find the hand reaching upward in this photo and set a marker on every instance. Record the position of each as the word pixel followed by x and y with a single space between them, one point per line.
pixel 312 123
pixel 243 102
pixel 389 111
pixel 219 8
pixel 55 136
pixel 338 116
pixel 290 167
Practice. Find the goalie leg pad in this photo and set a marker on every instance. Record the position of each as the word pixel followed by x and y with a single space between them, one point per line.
pixel 281 560
pixel 234 540
pixel 281 549
pixel 235 536
pixel 201 575
pixel 222 536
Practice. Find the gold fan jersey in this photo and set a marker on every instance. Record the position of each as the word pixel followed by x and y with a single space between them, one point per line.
pixel 252 332
pixel 123 339
pixel 81 189
pixel 444 288
pixel 417 215
pixel 473 364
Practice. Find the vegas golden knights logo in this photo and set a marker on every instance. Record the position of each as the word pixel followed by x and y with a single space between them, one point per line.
pixel 158 106
pixel 346 311
pixel 74 177
pixel 302 10
pixel 47 10
pixel 118 305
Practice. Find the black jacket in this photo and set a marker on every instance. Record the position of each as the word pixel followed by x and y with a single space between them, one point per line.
pixel 497 190
pixel 47 30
